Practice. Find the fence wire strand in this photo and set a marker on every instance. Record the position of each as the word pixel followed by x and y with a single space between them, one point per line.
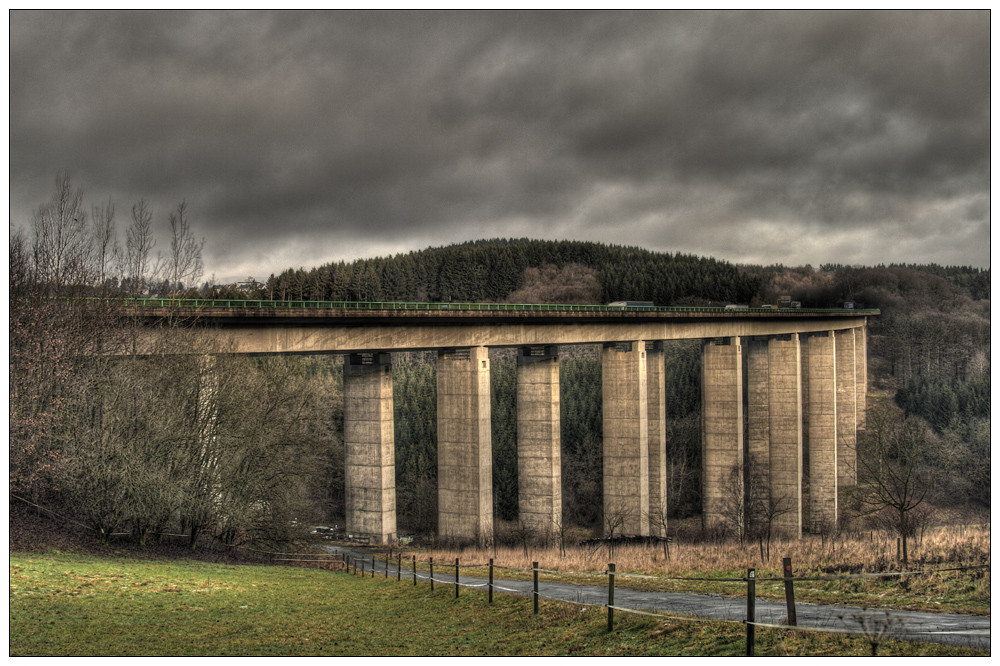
pixel 636 611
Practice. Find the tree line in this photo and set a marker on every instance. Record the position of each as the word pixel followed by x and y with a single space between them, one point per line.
pixel 492 270
pixel 70 249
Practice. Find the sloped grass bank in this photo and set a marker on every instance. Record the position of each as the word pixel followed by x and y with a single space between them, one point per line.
pixel 62 605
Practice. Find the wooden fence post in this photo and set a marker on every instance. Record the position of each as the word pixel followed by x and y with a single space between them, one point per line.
pixel 399 566
pixel 534 568
pixel 373 566
pixel 751 608
pixel 611 597
pixel 786 565
pixel 456 578
pixel 432 573
pixel 491 580
pixel 414 571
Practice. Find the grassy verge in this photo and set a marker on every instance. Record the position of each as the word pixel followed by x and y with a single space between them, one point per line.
pixel 63 605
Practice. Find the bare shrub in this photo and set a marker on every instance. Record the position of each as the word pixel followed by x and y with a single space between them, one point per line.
pixel 571 284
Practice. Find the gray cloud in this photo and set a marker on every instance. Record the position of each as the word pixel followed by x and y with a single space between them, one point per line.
pixel 300 138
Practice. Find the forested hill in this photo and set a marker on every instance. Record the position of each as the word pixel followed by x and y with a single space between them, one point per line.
pixel 492 270
pixel 584 272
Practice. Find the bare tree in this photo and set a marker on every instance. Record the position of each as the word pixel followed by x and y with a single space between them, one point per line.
pixel 573 283
pixel 185 251
pixel 766 514
pixel 522 534
pixel 559 528
pixel 105 241
pixel 683 465
pixel 140 268
pixel 895 469
pixel 750 506
pixel 875 629
pixel 19 265
pixel 616 516
pixel 658 525
pixel 62 245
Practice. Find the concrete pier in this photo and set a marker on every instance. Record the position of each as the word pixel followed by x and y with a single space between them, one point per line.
pixel 847 412
pixel 208 406
pixel 821 380
pixel 784 389
pixel 465 455
pixel 626 438
pixel 656 420
pixel 370 463
pixel 722 425
pixel 758 419
pixel 861 373
pixel 539 465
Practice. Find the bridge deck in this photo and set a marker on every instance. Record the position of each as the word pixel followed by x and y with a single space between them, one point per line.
pixel 281 327
pixel 347 312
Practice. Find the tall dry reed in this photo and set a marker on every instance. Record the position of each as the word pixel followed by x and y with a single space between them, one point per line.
pixel 868 551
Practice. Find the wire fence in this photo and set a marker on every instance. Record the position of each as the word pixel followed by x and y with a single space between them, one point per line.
pixel 869 625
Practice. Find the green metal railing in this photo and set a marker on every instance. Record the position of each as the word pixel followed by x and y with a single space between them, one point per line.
pixel 371 306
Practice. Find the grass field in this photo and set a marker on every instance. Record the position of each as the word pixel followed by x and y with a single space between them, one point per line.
pixel 69 604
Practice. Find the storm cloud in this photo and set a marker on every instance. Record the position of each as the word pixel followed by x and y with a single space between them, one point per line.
pixel 300 138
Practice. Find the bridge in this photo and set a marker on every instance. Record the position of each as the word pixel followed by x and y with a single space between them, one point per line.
pixel 775 383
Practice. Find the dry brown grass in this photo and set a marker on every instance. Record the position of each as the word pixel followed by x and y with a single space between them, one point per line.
pixel 858 552
pixel 823 566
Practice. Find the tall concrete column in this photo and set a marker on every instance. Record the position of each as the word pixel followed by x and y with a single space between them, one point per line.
pixel 656 421
pixel 626 438
pixel 539 466
pixel 208 405
pixel 758 405
pixel 822 391
pixel 370 459
pixel 847 414
pixel 784 389
pixel 861 373
pixel 721 424
pixel 465 455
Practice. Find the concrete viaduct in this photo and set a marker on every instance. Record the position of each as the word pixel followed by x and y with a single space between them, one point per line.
pixel 804 389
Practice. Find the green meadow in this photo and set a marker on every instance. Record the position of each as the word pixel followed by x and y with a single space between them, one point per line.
pixel 72 605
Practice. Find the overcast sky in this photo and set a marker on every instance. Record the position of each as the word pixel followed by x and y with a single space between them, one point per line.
pixel 302 138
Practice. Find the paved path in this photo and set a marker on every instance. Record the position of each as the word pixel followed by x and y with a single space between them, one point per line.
pixel 947 628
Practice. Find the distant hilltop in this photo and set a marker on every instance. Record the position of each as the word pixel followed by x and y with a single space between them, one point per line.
pixel 536 271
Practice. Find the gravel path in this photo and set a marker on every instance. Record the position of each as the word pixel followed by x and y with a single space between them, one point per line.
pixel 947 628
